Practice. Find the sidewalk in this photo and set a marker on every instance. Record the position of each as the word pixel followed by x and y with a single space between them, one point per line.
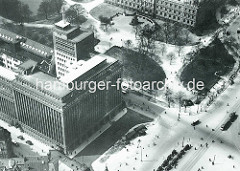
pixel 97 134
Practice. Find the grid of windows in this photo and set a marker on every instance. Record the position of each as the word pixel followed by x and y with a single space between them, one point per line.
pixel 182 12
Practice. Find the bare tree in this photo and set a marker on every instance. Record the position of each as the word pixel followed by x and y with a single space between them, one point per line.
pixel 74 14
pixel 44 8
pixel 168 96
pixel 187 36
pixel 163 49
pixel 180 96
pixel 171 56
pixel 175 33
pixel 146 43
pixel 167 31
pixel 180 48
pixel 128 43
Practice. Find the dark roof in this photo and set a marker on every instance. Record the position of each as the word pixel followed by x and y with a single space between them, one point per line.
pixel 39 50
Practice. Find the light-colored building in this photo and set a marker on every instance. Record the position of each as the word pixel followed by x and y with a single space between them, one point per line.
pixel 181 11
pixel 65 164
pixel 70 45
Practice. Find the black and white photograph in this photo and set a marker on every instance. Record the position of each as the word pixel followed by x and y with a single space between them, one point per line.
pixel 119 85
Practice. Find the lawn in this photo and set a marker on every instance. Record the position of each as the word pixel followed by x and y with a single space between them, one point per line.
pixel 210 60
pixel 136 66
pixel 105 10
pixel 41 35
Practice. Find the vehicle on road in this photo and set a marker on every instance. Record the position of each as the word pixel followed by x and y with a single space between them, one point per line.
pixel 20 137
pixel 225 126
pixel 29 142
pixel 197 122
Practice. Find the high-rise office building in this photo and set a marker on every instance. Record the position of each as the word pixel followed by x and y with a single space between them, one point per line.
pixel 70 45
pixel 46 106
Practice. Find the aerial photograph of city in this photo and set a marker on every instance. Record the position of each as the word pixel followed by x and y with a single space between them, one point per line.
pixel 119 85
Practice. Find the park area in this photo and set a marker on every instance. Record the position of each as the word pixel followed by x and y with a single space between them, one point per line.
pixel 137 67
pixel 208 65
pixel 105 10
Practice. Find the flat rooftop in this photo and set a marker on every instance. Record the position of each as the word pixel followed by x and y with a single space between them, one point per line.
pixel 28 64
pixel 62 24
pixel 82 36
pixel 8 36
pixel 47 83
pixel 82 67
pixel 7 73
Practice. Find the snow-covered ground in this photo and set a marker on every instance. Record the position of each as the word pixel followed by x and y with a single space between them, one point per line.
pixel 166 134
pixel 37 147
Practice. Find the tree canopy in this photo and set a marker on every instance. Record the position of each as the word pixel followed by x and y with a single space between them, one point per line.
pixel 15 10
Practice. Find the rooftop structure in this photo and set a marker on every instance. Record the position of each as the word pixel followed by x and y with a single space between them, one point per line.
pixel 71 44
pixel 81 67
pixel 18 49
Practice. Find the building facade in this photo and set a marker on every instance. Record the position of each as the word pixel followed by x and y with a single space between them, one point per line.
pixel 70 45
pixel 45 106
pixel 181 11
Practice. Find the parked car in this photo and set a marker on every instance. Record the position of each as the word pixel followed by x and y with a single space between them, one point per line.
pixel 29 142
pixel 20 137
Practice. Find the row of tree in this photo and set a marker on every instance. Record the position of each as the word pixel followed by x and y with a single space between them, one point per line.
pixel 15 10
pixel 48 7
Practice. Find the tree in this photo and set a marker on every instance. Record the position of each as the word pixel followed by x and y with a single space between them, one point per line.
pixel 74 14
pixel 44 8
pixel 128 43
pixel 171 56
pixel 146 42
pixel 167 31
pixel 106 21
pixel 25 12
pixel 180 96
pixel 163 49
pixel 134 21
pixel 56 5
pixel 175 32
pixel 180 48
pixel 168 95
pixel 187 36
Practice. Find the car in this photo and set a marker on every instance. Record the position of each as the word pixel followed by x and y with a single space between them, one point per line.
pixel 29 142
pixel 197 122
pixel 20 137
pixel 225 126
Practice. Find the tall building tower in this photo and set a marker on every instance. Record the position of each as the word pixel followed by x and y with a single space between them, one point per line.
pixel 70 45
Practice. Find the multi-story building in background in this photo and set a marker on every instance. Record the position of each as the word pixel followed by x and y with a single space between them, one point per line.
pixel 70 45
pixel 46 106
pixel 181 11
pixel 5 144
